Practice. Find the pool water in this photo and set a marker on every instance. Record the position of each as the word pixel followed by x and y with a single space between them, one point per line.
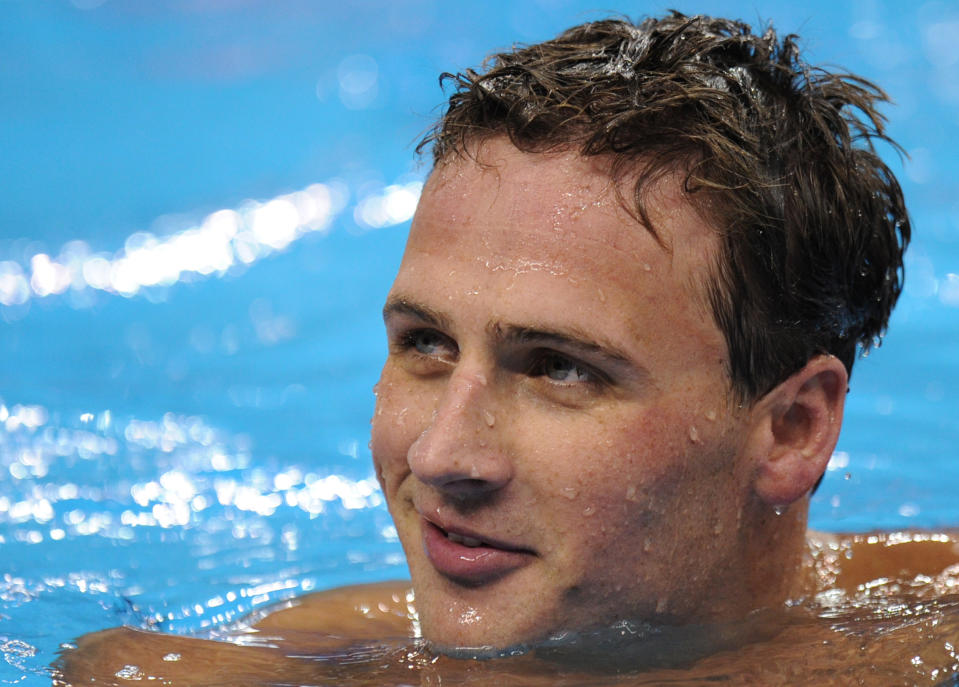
pixel 202 206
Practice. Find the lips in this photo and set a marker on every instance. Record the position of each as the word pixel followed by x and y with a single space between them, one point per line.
pixel 468 559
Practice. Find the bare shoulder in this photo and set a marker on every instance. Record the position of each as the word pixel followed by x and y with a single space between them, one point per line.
pixel 847 561
pixel 367 611
pixel 266 644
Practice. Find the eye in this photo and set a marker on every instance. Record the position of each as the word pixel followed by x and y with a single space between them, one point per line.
pixel 563 369
pixel 427 343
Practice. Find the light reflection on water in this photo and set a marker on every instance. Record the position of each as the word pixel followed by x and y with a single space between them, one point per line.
pixel 222 240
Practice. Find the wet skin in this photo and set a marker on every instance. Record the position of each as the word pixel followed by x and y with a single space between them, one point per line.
pixel 556 392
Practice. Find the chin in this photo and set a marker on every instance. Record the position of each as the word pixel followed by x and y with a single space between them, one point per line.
pixel 464 625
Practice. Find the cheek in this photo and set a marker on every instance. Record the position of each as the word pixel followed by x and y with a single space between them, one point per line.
pixel 399 418
pixel 630 475
pixel 389 430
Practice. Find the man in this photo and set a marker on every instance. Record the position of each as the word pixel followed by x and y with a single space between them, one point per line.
pixel 623 327
pixel 619 346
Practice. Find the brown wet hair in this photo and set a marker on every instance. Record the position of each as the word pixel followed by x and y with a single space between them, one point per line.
pixel 778 155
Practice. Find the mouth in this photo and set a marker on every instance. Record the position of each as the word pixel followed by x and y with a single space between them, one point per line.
pixel 464 540
pixel 470 559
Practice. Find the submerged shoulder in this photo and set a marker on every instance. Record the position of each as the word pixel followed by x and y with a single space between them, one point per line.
pixel 268 643
pixel 123 654
pixel 847 561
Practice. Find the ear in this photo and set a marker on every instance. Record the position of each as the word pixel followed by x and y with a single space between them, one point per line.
pixel 794 429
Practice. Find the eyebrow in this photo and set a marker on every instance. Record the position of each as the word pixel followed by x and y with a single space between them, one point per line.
pixel 402 306
pixel 569 339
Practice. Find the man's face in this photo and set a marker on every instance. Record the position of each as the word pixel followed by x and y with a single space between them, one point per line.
pixel 553 428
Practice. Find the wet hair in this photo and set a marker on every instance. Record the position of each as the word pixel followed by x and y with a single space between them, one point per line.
pixel 777 155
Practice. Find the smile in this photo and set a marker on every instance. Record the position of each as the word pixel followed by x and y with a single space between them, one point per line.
pixel 469 560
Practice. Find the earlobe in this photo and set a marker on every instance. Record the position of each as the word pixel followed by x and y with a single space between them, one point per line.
pixel 795 428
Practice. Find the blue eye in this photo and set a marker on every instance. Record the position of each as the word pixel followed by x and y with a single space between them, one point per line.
pixel 559 368
pixel 426 341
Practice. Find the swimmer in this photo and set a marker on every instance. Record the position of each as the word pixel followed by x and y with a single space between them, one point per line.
pixel 620 342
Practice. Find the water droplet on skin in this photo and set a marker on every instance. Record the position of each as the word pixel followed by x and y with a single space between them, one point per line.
pixel 718 528
pixel 648 545
pixel 171 657
pixel 631 494
pixel 647 267
pixel 602 295
pixel 848 475
pixel 474 472
pixel 693 434
pixel 661 605
pixel 711 415
pixel 588 510
pixel 779 510
pixel 481 378
pixel 570 493
pixel 488 416
pixel 129 672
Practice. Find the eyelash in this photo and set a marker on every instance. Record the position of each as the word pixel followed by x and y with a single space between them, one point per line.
pixel 410 340
pixel 543 357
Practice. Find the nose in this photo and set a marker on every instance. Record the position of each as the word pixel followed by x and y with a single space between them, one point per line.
pixel 459 452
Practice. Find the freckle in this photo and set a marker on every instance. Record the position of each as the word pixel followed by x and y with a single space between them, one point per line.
pixel 488 416
pixel 711 415
pixel 588 510
pixel 570 493
pixel 693 434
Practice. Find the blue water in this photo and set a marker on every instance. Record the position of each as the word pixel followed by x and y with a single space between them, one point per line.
pixel 184 396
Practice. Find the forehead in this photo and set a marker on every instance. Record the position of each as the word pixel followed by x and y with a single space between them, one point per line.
pixel 542 204
pixel 546 238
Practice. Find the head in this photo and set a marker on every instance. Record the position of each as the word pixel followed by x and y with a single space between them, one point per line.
pixel 776 155
pixel 622 330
